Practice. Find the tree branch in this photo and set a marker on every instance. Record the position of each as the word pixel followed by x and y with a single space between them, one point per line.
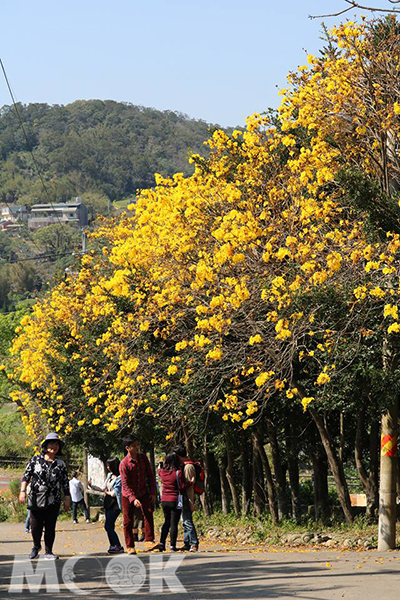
pixel 354 5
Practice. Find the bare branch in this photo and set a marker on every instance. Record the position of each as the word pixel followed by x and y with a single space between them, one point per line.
pixel 354 5
pixel 331 15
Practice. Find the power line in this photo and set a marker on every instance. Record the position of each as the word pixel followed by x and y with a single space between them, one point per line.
pixel 27 141
pixel 60 223
pixel 48 256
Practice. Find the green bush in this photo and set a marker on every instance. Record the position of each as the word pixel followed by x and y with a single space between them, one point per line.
pixel 12 433
pixel 15 486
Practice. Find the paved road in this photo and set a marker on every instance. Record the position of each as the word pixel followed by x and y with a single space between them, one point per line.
pixel 217 573
pixel 4 482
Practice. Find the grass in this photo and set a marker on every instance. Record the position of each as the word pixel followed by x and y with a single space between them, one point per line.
pixel 263 530
pixel 12 472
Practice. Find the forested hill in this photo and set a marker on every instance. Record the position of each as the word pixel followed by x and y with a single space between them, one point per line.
pixel 102 147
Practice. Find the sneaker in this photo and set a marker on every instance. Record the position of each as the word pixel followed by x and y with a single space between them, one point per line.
pixel 75 522
pixel 34 552
pixel 27 530
pixel 194 548
pixel 158 548
pixel 185 548
pixel 131 551
pixel 173 549
pixel 87 520
pixel 50 556
pixel 116 550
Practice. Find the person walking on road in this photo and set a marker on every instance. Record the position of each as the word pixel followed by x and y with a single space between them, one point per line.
pixel 138 491
pixel 47 474
pixel 190 539
pixel 171 500
pixel 77 499
pixel 112 503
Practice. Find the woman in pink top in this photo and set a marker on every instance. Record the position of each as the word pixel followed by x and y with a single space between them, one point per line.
pixel 171 479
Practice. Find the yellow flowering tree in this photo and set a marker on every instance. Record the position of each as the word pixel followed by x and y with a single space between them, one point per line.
pixel 227 292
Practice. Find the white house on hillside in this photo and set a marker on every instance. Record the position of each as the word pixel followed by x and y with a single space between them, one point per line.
pixel 73 212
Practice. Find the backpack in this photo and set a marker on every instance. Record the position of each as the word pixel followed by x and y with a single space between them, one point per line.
pixel 198 485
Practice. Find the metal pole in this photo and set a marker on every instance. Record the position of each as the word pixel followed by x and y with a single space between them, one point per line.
pixel 83 241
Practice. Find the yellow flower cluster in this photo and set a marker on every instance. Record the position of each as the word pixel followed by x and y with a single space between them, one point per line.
pixel 200 282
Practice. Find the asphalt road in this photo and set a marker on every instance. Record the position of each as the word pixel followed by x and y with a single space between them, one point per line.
pixel 218 572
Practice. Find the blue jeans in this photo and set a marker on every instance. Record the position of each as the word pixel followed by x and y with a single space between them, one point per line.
pixel 28 519
pixel 189 530
pixel 75 505
pixel 109 526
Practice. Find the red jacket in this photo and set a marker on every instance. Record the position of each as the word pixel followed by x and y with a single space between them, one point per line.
pixel 170 488
pixel 137 477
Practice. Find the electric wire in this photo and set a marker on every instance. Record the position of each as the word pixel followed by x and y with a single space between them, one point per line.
pixel 47 256
pixel 27 140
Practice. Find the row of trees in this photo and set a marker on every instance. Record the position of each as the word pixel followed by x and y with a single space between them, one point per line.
pixel 254 302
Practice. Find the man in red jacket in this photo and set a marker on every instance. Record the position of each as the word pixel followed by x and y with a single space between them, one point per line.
pixel 138 491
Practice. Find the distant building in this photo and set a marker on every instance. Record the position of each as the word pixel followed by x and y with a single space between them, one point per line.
pixel 12 216
pixel 73 213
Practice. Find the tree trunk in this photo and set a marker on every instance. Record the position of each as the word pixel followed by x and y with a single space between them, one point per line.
pixel 342 437
pixel 280 477
pixel 230 478
pixel 320 480
pixel 374 464
pixel 335 465
pixel 246 475
pixel 368 480
pixel 205 498
pixel 188 441
pixel 268 476
pixel 224 485
pixel 387 488
pixel 85 476
pixel 293 469
pixel 153 466
pixel 258 484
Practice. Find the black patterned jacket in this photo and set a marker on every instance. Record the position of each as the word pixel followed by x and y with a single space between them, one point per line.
pixel 50 476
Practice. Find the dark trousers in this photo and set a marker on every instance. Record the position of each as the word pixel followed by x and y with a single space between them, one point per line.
pixel 171 520
pixel 128 511
pixel 75 505
pixel 109 526
pixel 47 518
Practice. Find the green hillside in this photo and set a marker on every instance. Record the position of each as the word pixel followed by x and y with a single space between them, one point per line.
pixel 105 148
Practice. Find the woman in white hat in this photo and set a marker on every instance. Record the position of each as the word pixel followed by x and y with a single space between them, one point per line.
pixel 47 474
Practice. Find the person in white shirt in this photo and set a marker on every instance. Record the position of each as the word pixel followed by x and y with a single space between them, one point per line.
pixel 76 491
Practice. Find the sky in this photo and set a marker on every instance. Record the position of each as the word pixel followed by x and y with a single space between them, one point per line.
pixel 215 60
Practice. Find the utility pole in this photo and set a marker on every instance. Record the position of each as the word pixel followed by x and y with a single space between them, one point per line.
pixel 387 484
pixel 389 424
pixel 389 463
pixel 83 241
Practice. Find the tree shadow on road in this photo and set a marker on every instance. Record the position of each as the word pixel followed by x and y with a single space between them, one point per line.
pixel 222 577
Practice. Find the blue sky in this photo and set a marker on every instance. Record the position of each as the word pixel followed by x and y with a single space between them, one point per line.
pixel 216 60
